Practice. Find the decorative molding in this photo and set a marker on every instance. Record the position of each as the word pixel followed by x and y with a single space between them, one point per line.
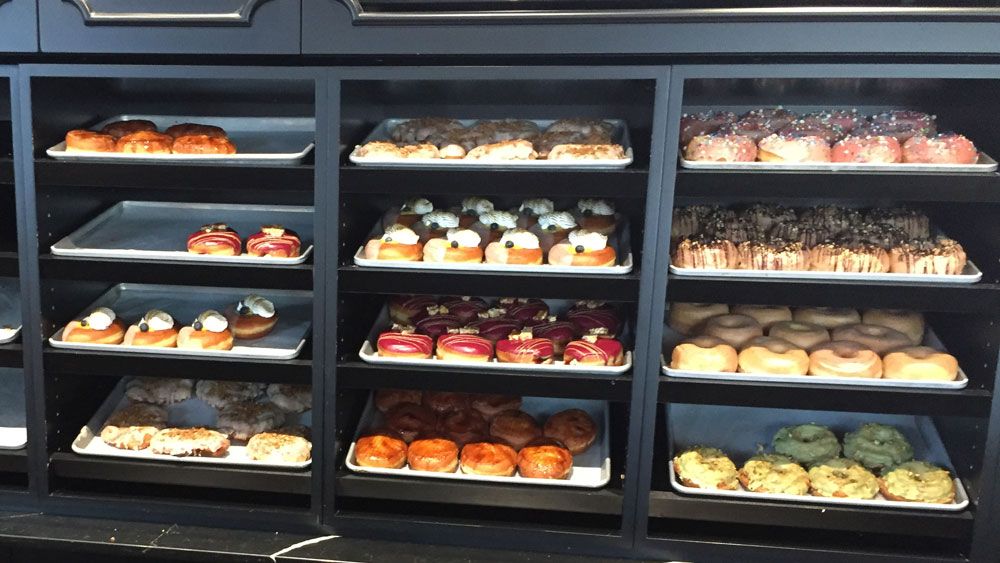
pixel 155 12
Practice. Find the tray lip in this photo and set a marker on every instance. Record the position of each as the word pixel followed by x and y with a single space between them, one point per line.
pixel 67 247
pixel 986 163
pixel 457 475
pixel 110 405
pixel 15 296
pixel 376 134
pixel 974 275
pixel 13 337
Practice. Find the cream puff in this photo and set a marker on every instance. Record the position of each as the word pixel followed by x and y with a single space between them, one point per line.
pixel 209 331
pixel 398 242
pixel 596 215
pixel 408 213
pixel 252 317
pixel 583 248
pixel 493 224
pixel 435 224
pixel 532 209
pixel 553 228
pixel 472 208
pixel 100 326
pixel 155 328
pixel 516 246
pixel 458 245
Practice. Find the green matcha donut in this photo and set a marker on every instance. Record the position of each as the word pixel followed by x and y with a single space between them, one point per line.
pixel 877 446
pixel 806 443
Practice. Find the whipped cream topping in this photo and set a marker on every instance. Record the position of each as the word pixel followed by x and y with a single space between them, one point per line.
pixel 155 320
pixel 418 205
pixel 99 319
pixel 537 206
pixel 400 234
pixel 476 205
pixel 589 240
pixel 210 320
pixel 503 219
pixel 256 305
pixel 596 206
pixel 464 237
pixel 519 238
pixel 557 220
pixel 443 220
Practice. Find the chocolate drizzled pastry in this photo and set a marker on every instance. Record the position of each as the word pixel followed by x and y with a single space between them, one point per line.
pixel 705 251
pixel 737 229
pixel 808 235
pixel 774 254
pixel 766 216
pixel 938 256
pixel 915 224
pixel 854 257
pixel 690 220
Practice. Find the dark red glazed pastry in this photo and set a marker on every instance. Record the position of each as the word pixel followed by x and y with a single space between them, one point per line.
pixel 408 309
pixel 525 310
pixel 446 401
pixel 494 324
pixel 559 332
pixel 465 308
pixel 586 319
pixel 594 350
pixel 522 348
pixel 438 321
pixel 464 347
pixel 409 420
pixel 405 344
pixel 464 426
pixel 274 240
pixel 216 239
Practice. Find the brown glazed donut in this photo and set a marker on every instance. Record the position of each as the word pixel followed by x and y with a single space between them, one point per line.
pixel 774 356
pixel 119 129
pixel 704 353
pixel 409 420
pixel 488 458
pixel 385 399
pixel 515 427
pixel 735 330
pixel 380 448
pixel 843 358
pixel 491 405
pixel 463 426
pixel 572 427
pixel 81 140
pixel 686 317
pixel 910 323
pixel 827 317
pixel 803 335
pixel 544 458
pixel 145 142
pixel 433 454
pixel 766 315
pixel 446 401
pixel 185 129
pixel 203 144
pixel 879 339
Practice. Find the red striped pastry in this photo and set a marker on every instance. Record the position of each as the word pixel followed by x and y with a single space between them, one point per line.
pixel 600 352
pixel 525 310
pixel 586 320
pixel 405 345
pixel 274 240
pixel 559 332
pixel 408 309
pixel 216 239
pixel 523 349
pixel 464 348
pixel 465 308
pixel 439 322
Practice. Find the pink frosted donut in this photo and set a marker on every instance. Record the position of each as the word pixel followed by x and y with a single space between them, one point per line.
pixel 881 149
pixel 753 128
pixel 782 148
pixel 946 148
pixel 721 148
pixel 696 124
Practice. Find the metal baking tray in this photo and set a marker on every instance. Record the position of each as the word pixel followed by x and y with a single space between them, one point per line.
pixel 189 413
pixel 671 338
pixel 13 432
pixel 591 469
pixel 619 241
pixel 151 230
pixel 261 140
pixel 369 353
pixel 383 130
pixel 971 274
pixel 131 301
pixel 742 432
pixel 985 164
pixel 10 309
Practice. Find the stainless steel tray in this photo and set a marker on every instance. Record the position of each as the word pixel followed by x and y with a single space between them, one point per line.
pixel 742 431
pixel 261 140
pixel 591 469
pixel 13 432
pixel 369 353
pixel 149 230
pixel 131 301
pixel 619 241
pixel 192 412
pixel 382 132
pixel 985 164
pixel 672 338
pixel 971 274
pixel 10 309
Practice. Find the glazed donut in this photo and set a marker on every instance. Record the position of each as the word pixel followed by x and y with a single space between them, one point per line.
pixel 100 326
pixel 774 356
pixel 491 405
pixel 686 317
pixel 844 358
pixel 385 399
pixel 879 339
pixel 778 117
pixel 190 337
pixel 842 478
pixel 846 119
pixel 916 121
pixel 488 458
pixel 596 216
pixel 248 326
pixel 409 420
pixel 704 353
pixel 203 144
pixel 946 148
pixel 145 142
pixel 135 336
pixel 803 335
pixel 735 330
pixel 785 148
pixel 572 427
pixel 920 363
pixel 587 320
pixel 458 246
pixel 523 349
pixel 706 468
pixel 751 128
pixel 439 455
pixel 766 315
pixel 515 427
pixel 910 323
pixel 398 242
pixel 880 149
pixel 525 310
pixel 407 309
pixel 443 402
pixel 466 308
pixel 516 246
pixel 877 446
pixel 80 140
pixel 695 124
pixel 812 126
pixel 275 241
pixel 826 317
pixel 216 239
pixel 721 148
pixel 806 443
pixel 186 129
pixel 771 473
pixel 598 351
pixel 404 345
pixel 119 129
pixel 561 333
pixel 437 324
pixel 463 426
pixel 464 348
pixel 544 458
pixel 380 449
pixel 918 481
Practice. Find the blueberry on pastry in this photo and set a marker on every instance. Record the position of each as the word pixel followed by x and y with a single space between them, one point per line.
pixel 155 328
pixel 209 331
pixel 553 228
pixel 583 248
pixel 516 246
pixel 215 239
pixel 275 241
pixel 398 242
pixel 100 326
pixel 252 317
pixel 458 245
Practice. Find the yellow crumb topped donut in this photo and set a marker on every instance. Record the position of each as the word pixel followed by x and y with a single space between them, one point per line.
pixel 772 473
pixel 918 481
pixel 706 468
pixel 842 478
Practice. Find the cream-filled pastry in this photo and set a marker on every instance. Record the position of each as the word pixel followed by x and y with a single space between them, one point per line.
pixel 435 224
pixel 398 242
pixel 408 213
pixel 583 248
pixel 155 328
pixel 458 245
pixel 472 208
pixel 596 215
pixel 532 209
pixel 209 331
pixel 516 246
pixel 252 317
pixel 100 326
pixel 553 228
pixel 493 224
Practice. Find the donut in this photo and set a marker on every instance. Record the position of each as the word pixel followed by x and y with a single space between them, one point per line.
pixel 721 148
pixel 203 144
pixel 443 402
pixel 463 426
pixel 404 345
pixel 587 320
pixel 702 251
pixel 380 449
pixel 773 254
pixel 583 248
pixel 786 148
pixel 118 129
pixel 753 129
pixel 941 256
pixel 735 330
pixel 917 122
pixel 846 119
pixel 918 481
pixel 704 353
pixel 209 331
pixel 491 405
pixel 561 333
pixel 491 225
pixel 596 216
pixel 80 140
pixel 812 127
pixel 525 310
pixel 251 318
pixel 275 241
pixel 135 336
pixel 83 331
pixel 806 443
pixel 409 420
pixel 844 358
pixel 880 149
pixel 439 455
pixel 544 458
pixel 842 478
pixel 826 317
pixel 686 317
pixel 466 308
pixel 778 117
pixel 215 239
pixel 398 242
pixel 920 363
pixel 515 427
pixel 488 458
pixel 803 335
pixel 695 124
pixel 385 399
pixel 706 468
pixel 773 356
pixel 946 148
pixel 879 339
pixel 523 349
pixel 438 323
pixel 186 129
pixel 457 247
pixel 531 209
pixel 463 348
pixel 910 323
pixel 572 427
pixel 407 309
pixel 596 351
pixel 877 446
pixel 145 142
pixel 771 473
pixel 516 246
pixel 766 315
